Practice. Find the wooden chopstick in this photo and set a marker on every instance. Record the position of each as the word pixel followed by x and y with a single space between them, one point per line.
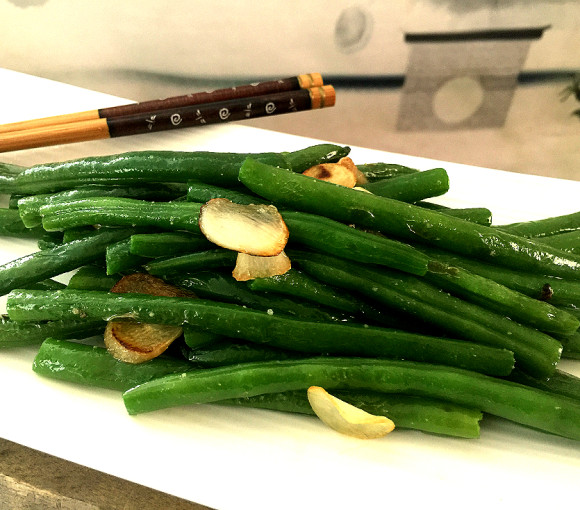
pixel 242 108
pixel 302 81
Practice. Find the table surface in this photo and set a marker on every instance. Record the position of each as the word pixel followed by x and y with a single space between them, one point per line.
pixel 232 458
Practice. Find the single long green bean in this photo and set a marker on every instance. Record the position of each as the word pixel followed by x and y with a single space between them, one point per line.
pixel 115 211
pixel 333 237
pixel 192 262
pixel 202 192
pixel 18 334
pixel 133 168
pixel 544 227
pixel 119 258
pixel 11 225
pixel 8 173
pixel 481 215
pixel 261 327
pixel 568 241
pixel 521 404
pixel 161 166
pixel 92 277
pixel 404 221
pixel 560 382
pixel 412 187
pixel 29 206
pixel 168 244
pixel 227 351
pixel 378 171
pixel 58 260
pixel 571 346
pixel 407 411
pixel 94 366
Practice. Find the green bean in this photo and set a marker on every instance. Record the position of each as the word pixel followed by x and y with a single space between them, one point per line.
pixel 335 238
pixel 11 225
pixel 544 227
pixel 132 168
pixel 8 173
pixel 378 171
pixel 13 200
pixel 560 382
pixel 300 285
pixel 569 241
pixel 119 258
pixel 404 221
pixel 114 211
pixel 535 352
pixel 94 366
pixel 160 166
pixel 49 240
pixel 92 277
pixel 521 404
pixel 195 338
pixel 29 206
pixel 412 187
pixel 54 261
pixel 10 169
pixel 75 234
pixel 168 244
pixel 230 352
pixel 221 286
pixel 303 159
pixel 48 284
pixel 571 346
pixel 19 334
pixel 260 327
pixel 556 291
pixel 489 294
pixel 202 192
pixel 192 262
pixel 481 215
pixel 407 411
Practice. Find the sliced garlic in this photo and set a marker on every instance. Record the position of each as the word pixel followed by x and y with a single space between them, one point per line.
pixel 346 418
pixel 136 342
pixel 344 173
pixel 256 229
pixel 249 267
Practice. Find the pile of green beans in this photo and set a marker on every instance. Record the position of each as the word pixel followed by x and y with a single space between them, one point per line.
pixel 429 315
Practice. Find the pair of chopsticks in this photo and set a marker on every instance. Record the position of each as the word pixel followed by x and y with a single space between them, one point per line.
pixel 298 93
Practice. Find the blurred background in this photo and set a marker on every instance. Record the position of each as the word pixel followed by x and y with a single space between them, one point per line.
pixel 482 82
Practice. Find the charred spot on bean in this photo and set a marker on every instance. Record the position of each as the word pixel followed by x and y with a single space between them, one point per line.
pixel 547 292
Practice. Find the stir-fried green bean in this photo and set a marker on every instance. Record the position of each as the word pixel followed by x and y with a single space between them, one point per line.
pixel 58 260
pixel 528 406
pixel 412 187
pixel 260 327
pixel 407 411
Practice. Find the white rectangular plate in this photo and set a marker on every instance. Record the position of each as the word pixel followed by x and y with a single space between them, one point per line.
pixel 253 459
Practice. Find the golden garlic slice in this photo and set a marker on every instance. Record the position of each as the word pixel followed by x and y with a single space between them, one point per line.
pixel 346 418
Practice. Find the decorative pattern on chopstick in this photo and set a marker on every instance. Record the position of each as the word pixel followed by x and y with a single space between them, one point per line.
pixel 302 81
pixel 173 118
pixel 223 111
